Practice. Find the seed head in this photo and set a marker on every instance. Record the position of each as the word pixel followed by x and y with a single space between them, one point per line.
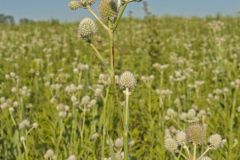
pixel 108 9
pixel 170 144
pixel 35 125
pixel 85 100
pixel 24 124
pixel 74 4
pixel 127 80
pixel 215 141
pixel 85 3
pixel 49 154
pixel 72 157
pixel 87 28
pixel 181 137
pixel 196 133
pixel 118 143
pixel 22 138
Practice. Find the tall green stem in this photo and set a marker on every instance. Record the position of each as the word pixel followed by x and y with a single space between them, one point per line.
pixel 233 111
pixel 83 123
pixel 204 153
pixel 112 56
pixel 104 124
pixel 194 151
pixel 126 117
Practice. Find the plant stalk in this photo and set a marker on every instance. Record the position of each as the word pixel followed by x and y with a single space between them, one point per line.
pixel 126 117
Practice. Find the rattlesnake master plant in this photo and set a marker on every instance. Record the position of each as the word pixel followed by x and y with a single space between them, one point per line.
pixel 127 82
pixel 185 144
pixel 111 12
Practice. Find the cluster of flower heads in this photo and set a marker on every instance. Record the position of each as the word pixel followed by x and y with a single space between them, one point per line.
pixel 193 115
pixel 184 143
pixel 75 4
pixel 164 92
pixel 181 75
pixel 117 146
pixel 216 26
pixel 160 67
pixel 148 80
pixel 25 124
pixel 108 10
pixel 8 103
pixel 196 84
pixel 50 155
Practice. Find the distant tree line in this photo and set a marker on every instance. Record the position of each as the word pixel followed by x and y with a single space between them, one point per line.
pixel 6 19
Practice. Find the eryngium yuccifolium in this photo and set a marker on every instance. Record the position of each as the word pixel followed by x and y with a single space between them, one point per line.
pixel 170 144
pixel 196 133
pixel 108 9
pixel 87 28
pixel 49 154
pixel 85 3
pixel 72 157
pixel 206 158
pixel 181 138
pixel 215 141
pixel 73 4
pixel 127 80
pixel 118 143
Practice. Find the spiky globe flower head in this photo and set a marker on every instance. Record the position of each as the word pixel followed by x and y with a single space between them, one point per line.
pixel 181 138
pixel 72 157
pixel 127 80
pixel 87 28
pixel 74 4
pixel 118 143
pixel 196 133
pixel 49 154
pixel 108 9
pixel 85 3
pixel 215 141
pixel 170 144
pixel 206 158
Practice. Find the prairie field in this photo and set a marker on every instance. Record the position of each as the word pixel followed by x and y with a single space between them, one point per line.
pixel 179 98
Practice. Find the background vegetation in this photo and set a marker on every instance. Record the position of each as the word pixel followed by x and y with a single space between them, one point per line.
pixel 43 66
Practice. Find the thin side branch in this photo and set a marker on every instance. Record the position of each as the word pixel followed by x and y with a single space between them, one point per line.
pixel 97 53
pixel 98 19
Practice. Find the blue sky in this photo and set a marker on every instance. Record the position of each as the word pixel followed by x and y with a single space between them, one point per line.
pixel 47 9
